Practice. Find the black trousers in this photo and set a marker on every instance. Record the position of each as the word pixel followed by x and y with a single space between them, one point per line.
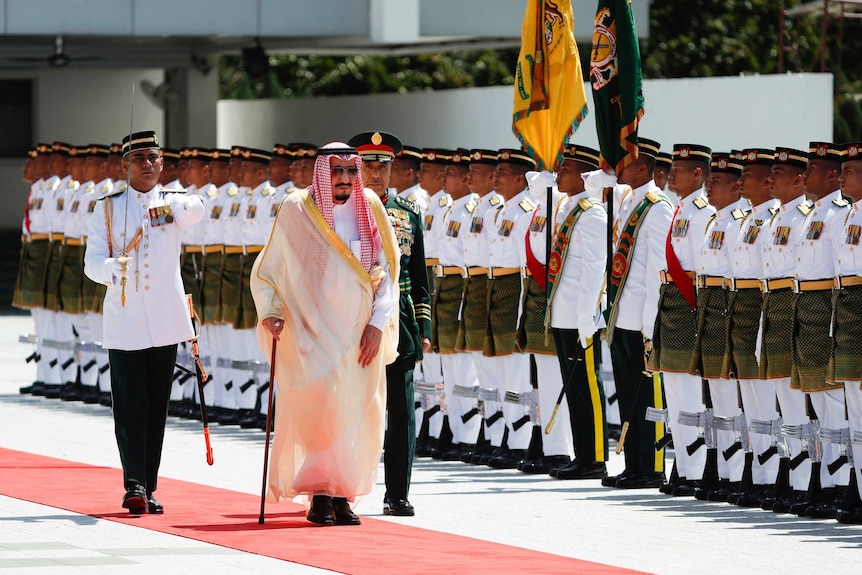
pixel 400 429
pixel 141 388
pixel 585 398
pixel 636 391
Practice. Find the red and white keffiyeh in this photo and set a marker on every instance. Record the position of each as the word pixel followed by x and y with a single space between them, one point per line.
pixel 321 192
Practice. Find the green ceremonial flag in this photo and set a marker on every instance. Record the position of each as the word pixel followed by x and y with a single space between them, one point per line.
pixel 615 72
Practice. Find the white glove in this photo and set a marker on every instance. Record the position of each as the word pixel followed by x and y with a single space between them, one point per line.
pixel 538 184
pixel 116 270
pixel 585 331
pixel 596 181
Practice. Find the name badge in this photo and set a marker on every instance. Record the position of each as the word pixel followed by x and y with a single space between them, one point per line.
pixel 782 234
pixel 814 231
pixel 160 216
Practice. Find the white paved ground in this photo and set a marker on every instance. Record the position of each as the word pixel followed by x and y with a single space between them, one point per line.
pixel 641 530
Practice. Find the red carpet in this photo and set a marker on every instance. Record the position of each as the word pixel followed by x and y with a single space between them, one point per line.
pixel 229 519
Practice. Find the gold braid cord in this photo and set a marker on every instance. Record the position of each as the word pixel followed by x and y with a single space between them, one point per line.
pixel 134 245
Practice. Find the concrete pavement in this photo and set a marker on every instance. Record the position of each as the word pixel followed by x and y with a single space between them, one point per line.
pixel 641 530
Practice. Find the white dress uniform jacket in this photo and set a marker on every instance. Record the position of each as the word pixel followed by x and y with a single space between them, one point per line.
pixel 156 313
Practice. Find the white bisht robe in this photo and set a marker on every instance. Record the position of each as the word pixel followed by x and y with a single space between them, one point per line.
pixel 330 411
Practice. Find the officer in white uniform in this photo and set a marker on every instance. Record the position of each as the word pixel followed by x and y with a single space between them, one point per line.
pixel 133 247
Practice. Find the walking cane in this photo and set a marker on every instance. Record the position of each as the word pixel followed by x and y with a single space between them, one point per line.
pixel 268 428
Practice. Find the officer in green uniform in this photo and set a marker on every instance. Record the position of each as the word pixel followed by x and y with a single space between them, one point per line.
pixel 377 150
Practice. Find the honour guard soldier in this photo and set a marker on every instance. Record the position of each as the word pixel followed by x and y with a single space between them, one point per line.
pixel 713 266
pixel 779 268
pixel 744 306
pixel 506 252
pixel 254 168
pixel 29 289
pixel 813 336
pixel 554 449
pixel 133 247
pixel 461 386
pixel 481 180
pixel 378 150
pixel 576 273
pixel 431 177
pixel 217 210
pixel 677 319
pixel 62 335
pixel 633 293
pixel 847 363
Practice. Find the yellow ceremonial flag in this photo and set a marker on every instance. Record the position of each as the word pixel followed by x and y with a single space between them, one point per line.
pixel 550 101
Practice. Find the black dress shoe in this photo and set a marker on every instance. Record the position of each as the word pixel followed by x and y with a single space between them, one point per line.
pixel 153 506
pixel 684 489
pixel 321 511
pixel 135 499
pixel 105 399
pixel 783 504
pixel 595 470
pixel 829 507
pixel 508 460
pixel 398 508
pixel 53 390
pixel 645 481
pixel 721 493
pixel 612 480
pixel 229 417
pixel 343 514
pixel 852 516
pixel 453 453
pixel 545 464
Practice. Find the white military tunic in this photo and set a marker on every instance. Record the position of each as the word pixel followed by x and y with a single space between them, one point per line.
pixel 155 313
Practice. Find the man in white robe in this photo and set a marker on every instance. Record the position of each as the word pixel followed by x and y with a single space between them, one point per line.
pixel 325 290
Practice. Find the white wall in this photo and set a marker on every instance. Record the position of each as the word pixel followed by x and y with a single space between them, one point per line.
pixel 78 106
pixel 724 113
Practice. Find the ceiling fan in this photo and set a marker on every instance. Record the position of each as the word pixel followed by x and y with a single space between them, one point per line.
pixel 59 59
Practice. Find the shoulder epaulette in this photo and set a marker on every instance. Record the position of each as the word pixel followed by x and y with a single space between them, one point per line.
pixel 700 202
pixel 249 192
pixel 232 191
pixel 444 201
pixel 116 192
pixel 804 208
pixel 495 200
pixel 738 213
pixel 407 204
pixel 412 198
pixel 267 191
pixel 527 205
pixel 212 191
pixel 773 210
pixel 90 188
pixel 586 203
pixel 653 197
pixel 105 188
pixel 72 184
pixel 841 202
pixel 470 206
pixel 290 190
